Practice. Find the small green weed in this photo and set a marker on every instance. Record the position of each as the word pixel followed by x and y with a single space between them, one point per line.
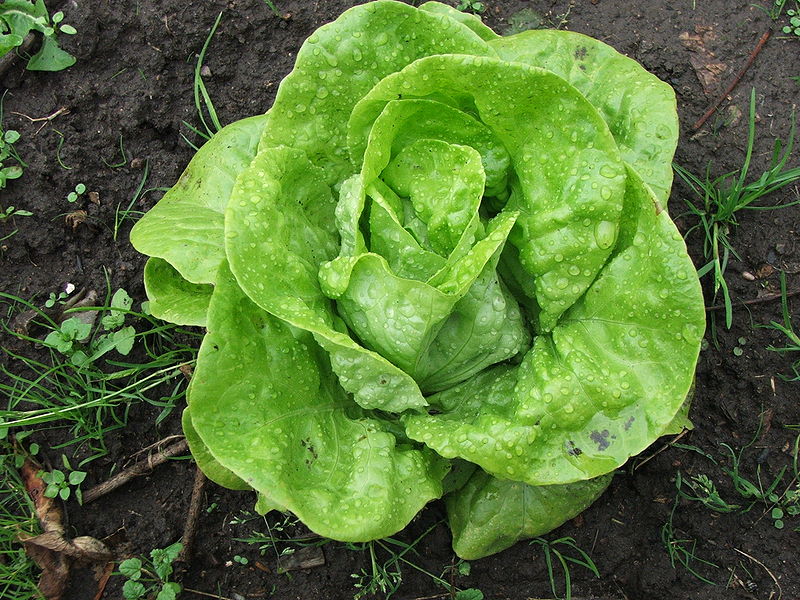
pixel 7 151
pixel 471 6
pixel 128 214
pixel 387 558
pixel 64 483
pixel 77 390
pixel 18 18
pixel 792 346
pixel 719 199
pixel 124 157
pixel 77 193
pixel 146 578
pixel 18 573
pixel 792 26
pixel 558 549
pixel 74 338
pixel 202 99
pixel 274 9
pixel 683 550
pixel 60 298
pixel 702 489
pixel 794 23
pixel 12 211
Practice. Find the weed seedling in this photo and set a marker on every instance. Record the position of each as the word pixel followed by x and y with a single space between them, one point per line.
pixel 8 152
pixel 201 96
pixel 18 573
pixel 12 211
pixel 75 194
pixel 19 19
pixel 557 549
pixel 150 578
pixel 64 483
pixel 720 199
pixel 274 9
pixel 471 6
pixel 682 550
pixel 703 490
pixel 792 346
pixel 59 298
pixel 72 389
pixel 793 27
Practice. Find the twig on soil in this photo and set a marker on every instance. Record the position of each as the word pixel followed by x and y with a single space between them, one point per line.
pixel 763 566
pixel 10 58
pixel 158 444
pixel 140 468
pixel 206 594
pixel 760 300
pixel 714 105
pixel 103 580
pixel 190 528
pixel 660 450
pixel 61 111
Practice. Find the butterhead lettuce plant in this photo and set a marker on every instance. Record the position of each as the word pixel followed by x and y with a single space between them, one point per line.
pixel 438 266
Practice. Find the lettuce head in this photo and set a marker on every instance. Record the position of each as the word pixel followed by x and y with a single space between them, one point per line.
pixel 439 266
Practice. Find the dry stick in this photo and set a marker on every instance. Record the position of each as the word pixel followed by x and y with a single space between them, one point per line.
pixel 190 528
pixel 763 566
pixel 206 594
pixel 659 451
pixel 769 298
pixel 140 468
pixel 714 105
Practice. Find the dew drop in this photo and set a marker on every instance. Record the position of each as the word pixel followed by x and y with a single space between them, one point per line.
pixel 605 232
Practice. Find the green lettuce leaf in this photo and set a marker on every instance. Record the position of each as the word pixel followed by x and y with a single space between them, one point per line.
pixel 489 515
pixel 267 407
pixel 186 227
pixel 172 298
pixel 638 107
pixel 603 384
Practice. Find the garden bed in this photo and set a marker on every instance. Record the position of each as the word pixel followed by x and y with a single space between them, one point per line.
pixel 121 122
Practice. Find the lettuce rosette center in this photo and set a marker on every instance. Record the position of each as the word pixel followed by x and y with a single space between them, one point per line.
pixel 439 265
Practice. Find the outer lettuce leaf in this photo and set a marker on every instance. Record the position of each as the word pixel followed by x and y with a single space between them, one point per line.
pixel 570 176
pixel 185 228
pixel 172 298
pixel 604 384
pixel 339 64
pixel 279 229
pixel 489 515
pixel 266 404
pixel 638 107
pixel 206 461
pixel 471 21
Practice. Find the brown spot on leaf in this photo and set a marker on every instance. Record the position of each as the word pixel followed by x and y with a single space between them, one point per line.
pixel 601 439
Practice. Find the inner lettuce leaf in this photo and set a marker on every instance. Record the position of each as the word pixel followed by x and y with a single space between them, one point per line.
pixel 439 266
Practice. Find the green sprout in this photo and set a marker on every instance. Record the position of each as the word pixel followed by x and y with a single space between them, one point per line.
pixel 63 484
pixel 79 191
pixel 719 200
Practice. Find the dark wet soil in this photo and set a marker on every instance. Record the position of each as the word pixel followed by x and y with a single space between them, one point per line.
pixel 132 87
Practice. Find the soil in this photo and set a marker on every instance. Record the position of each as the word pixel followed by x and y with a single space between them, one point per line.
pixel 132 87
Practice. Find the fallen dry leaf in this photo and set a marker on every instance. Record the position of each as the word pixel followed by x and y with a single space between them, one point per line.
pixel 75 218
pixel 705 64
pixel 51 550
